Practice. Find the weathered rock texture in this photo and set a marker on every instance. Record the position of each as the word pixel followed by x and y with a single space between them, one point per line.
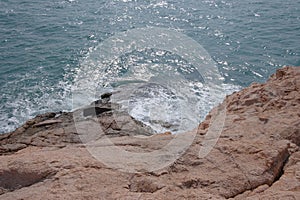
pixel 256 157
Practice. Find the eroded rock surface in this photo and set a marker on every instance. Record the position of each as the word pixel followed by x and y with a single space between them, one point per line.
pixel 256 155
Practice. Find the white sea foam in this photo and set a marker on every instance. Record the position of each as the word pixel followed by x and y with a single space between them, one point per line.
pixel 37 100
pixel 161 77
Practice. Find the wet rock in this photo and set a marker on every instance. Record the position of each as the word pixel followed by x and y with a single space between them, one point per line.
pixel 93 111
pixel 106 96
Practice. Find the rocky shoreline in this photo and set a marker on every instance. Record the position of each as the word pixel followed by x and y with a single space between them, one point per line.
pixel 256 155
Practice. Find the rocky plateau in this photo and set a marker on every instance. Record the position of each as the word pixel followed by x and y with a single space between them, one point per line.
pixel 254 156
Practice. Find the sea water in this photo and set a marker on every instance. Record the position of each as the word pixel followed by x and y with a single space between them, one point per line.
pixel 46 45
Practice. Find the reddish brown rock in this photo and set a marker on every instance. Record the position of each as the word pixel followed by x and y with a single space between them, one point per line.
pixel 47 122
pixel 256 155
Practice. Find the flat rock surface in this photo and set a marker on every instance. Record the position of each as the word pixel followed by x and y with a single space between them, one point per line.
pixel 254 155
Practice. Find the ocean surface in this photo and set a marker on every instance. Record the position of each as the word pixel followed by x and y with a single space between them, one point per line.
pixel 45 46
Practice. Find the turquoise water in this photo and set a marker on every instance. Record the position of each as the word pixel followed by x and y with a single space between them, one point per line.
pixel 44 43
